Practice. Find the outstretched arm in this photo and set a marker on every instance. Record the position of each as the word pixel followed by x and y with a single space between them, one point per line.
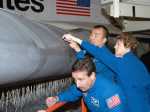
pixel 70 95
pixel 100 53
pixel 80 54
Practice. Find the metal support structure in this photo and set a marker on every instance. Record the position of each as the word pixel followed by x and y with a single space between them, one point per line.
pixel 136 25
pixel 134 14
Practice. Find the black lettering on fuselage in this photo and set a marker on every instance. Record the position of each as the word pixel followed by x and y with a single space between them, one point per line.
pixel 23 5
pixel 38 4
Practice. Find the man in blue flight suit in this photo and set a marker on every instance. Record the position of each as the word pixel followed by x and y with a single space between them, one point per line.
pixel 97 37
pixel 99 94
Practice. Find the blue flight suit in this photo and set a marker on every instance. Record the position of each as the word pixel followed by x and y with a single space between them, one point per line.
pixel 103 96
pixel 132 75
pixel 100 67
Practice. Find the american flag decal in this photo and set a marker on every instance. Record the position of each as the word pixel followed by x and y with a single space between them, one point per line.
pixel 73 7
pixel 113 101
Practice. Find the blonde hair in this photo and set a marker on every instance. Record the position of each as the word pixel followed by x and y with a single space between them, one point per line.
pixel 128 40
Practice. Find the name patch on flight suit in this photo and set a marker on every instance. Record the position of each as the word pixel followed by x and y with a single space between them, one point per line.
pixel 113 101
pixel 95 102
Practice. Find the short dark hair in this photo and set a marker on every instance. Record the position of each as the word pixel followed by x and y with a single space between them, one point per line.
pixel 85 64
pixel 104 28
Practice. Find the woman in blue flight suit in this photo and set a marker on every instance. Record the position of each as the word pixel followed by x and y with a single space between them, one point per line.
pixel 131 72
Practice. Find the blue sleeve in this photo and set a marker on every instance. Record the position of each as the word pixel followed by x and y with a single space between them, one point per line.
pixel 102 54
pixel 148 92
pixel 70 95
pixel 80 55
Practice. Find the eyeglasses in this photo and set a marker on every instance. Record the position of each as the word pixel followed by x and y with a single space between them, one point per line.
pixel 95 35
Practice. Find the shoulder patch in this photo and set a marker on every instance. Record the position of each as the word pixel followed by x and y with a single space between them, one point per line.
pixel 113 101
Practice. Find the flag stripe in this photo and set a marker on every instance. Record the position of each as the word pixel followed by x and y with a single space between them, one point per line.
pixel 70 7
pixel 67 0
pixel 68 3
pixel 67 13
pixel 72 10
